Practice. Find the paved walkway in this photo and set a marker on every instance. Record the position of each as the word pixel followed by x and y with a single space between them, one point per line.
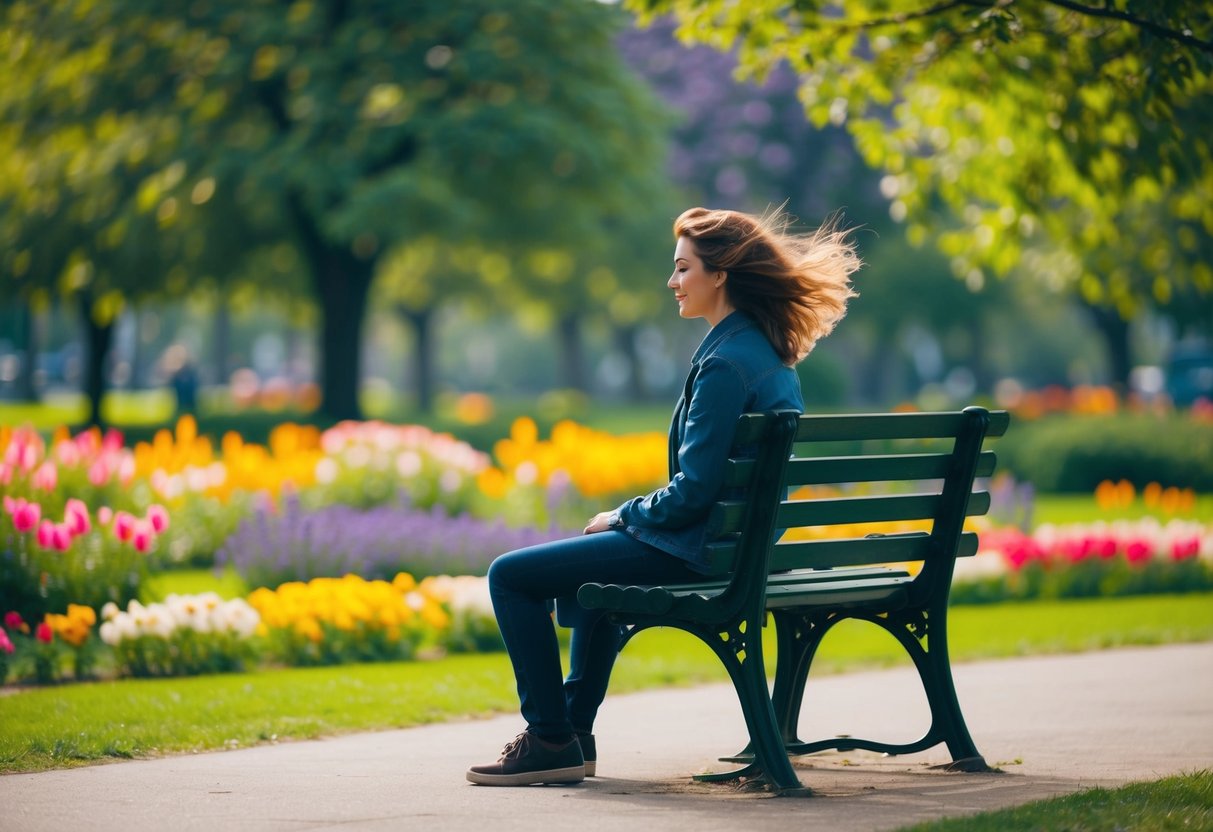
pixel 1054 724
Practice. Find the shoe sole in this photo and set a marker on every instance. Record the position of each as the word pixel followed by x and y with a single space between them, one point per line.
pixel 591 767
pixel 551 777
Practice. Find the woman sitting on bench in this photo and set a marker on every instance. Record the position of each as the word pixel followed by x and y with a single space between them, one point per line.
pixel 769 295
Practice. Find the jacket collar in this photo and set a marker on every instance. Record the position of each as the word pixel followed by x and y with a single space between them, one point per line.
pixel 734 321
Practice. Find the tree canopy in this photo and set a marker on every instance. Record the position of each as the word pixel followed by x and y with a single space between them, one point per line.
pixel 1073 139
pixel 341 128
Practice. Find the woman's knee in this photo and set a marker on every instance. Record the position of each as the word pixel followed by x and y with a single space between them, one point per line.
pixel 507 570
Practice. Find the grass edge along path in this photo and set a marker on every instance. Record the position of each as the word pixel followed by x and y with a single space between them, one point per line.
pixel 78 724
pixel 1181 802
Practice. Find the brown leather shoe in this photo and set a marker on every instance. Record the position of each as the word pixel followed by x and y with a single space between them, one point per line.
pixel 529 761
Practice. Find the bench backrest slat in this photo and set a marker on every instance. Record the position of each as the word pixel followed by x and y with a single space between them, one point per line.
pixel 861 426
pixel 846 469
pixel 729 516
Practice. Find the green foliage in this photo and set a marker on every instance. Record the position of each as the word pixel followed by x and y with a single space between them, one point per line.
pixel 1076 453
pixel 148 148
pixel 96 569
pixel 1091 578
pixel 1071 138
pixel 1182 802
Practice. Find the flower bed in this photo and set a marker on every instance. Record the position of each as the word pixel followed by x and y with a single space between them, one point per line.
pixel 1082 560
pixel 339 522
pixel 85 517
pixel 322 621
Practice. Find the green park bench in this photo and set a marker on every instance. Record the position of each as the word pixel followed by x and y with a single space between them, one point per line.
pixel 808 586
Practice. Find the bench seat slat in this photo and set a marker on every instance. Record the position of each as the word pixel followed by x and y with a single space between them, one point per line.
pixel 802 588
pixel 845 552
pixel 890 592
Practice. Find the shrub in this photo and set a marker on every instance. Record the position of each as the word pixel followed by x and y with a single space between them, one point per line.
pixel 1076 453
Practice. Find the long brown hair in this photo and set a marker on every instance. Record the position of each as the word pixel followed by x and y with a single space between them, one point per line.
pixel 796 286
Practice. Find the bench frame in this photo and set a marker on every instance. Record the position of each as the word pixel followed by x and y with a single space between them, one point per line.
pixel 848 578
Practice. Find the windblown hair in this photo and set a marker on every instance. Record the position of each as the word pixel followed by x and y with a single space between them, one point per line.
pixel 796 286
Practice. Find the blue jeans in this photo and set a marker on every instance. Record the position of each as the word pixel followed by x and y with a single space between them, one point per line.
pixel 522 583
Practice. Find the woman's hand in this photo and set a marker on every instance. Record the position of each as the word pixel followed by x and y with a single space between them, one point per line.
pixel 600 522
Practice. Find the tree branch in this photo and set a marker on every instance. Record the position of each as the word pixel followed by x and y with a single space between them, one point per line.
pixel 1177 35
pixel 905 17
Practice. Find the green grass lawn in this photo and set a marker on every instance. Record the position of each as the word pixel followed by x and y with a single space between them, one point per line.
pixel 1183 802
pixel 44 728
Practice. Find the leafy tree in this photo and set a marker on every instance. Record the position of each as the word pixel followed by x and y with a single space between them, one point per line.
pixel 342 127
pixel 742 144
pixel 1067 137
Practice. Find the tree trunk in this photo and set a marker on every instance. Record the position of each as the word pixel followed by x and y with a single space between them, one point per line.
pixel 879 383
pixel 342 283
pixel 221 342
pixel 625 342
pixel 979 354
pixel 28 323
pixel 1114 330
pixel 138 352
pixel 572 356
pixel 422 322
pixel 97 345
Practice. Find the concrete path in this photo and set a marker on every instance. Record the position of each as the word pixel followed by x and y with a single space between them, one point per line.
pixel 1054 725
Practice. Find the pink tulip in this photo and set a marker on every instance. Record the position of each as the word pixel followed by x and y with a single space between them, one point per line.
pixel 10 505
pixel 1183 549
pixel 6 646
pixel 46 477
pixel 46 532
pixel 157 515
pixel 26 515
pixel 6 474
pixel 99 472
pixel 1137 551
pixel 68 453
pixel 126 468
pixel 27 457
pixel 76 516
pixel 14 621
pixel 124 525
pixel 142 536
pixel 44 633
pixel 104 515
pixel 113 440
pixel 61 537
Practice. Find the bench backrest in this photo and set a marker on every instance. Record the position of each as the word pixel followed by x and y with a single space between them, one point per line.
pixel 894 468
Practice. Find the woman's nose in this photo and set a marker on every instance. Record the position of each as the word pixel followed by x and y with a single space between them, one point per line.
pixel 673 281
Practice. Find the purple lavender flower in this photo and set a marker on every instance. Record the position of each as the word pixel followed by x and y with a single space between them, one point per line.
pixel 295 544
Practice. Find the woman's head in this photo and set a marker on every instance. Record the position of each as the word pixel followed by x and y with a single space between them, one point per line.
pixel 795 285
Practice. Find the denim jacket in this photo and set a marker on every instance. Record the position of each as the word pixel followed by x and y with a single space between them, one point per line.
pixel 735 370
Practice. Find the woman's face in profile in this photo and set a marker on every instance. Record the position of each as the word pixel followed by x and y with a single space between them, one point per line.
pixel 695 289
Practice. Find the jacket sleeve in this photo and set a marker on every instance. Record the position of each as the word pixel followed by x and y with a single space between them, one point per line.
pixel 718 397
